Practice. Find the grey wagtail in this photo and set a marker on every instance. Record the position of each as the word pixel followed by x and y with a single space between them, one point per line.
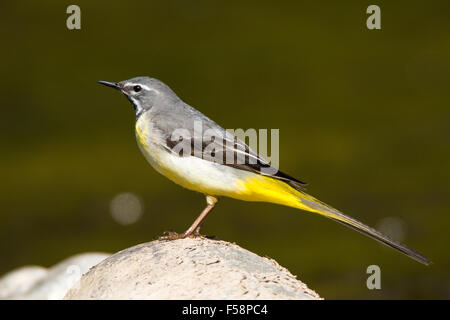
pixel 159 113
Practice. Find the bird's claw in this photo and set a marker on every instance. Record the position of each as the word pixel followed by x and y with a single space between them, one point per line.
pixel 172 235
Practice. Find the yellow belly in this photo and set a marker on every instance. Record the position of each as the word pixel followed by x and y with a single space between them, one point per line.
pixel 211 178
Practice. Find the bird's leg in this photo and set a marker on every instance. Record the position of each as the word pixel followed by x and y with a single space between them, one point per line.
pixel 196 226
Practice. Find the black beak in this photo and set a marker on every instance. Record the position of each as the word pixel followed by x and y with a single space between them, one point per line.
pixel 110 84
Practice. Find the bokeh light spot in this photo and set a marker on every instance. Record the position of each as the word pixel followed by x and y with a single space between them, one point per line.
pixel 126 208
pixel 393 227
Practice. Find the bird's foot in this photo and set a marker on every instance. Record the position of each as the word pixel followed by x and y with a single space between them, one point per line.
pixel 172 235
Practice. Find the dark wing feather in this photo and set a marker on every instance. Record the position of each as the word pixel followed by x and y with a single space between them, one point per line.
pixel 250 161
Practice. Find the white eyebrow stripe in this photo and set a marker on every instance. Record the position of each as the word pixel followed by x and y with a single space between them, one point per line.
pixel 142 86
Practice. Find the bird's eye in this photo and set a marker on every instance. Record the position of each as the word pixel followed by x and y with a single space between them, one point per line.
pixel 137 88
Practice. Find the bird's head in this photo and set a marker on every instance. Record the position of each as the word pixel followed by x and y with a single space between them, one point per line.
pixel 143 92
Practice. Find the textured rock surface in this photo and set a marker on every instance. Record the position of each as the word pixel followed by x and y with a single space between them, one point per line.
pixel 195 268
pixel 34 282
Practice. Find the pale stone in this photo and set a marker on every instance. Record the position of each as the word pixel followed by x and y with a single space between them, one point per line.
pixel 47 284
pixel 192 268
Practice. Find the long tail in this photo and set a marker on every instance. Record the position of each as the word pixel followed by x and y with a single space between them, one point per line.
pixel 267 189
pixel 321 208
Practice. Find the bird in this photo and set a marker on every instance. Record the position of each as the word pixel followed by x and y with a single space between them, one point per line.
pixel 167 134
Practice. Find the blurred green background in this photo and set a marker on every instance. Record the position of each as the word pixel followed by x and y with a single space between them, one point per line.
pixel 363 116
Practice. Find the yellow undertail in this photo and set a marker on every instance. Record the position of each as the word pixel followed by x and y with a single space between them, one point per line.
pixel 266 189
